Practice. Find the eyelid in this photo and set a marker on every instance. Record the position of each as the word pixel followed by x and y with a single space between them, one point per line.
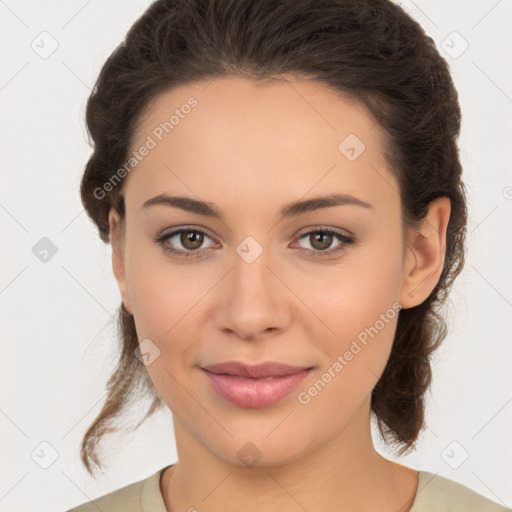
pixel 311 229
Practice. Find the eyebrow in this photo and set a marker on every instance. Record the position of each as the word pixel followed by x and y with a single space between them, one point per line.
pixel 289 210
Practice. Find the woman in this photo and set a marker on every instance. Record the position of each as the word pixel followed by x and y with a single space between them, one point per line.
pixel 281 186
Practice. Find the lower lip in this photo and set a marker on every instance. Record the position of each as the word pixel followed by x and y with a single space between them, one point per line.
pixel 255 393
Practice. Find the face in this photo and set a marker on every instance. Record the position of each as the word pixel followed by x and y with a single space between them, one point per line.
pixel 315 288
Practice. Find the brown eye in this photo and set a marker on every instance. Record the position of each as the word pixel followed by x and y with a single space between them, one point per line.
pixel 185 242
pixel 191 239
pixel 321 240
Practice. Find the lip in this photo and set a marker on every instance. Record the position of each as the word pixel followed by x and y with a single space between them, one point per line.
pixel 254 386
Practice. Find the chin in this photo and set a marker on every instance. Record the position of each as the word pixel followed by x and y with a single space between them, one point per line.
pixel 254 452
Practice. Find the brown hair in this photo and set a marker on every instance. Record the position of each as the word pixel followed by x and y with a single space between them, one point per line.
pixel 370 50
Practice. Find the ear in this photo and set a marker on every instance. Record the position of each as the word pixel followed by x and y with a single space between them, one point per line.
pixel 117 240
pixel 425 254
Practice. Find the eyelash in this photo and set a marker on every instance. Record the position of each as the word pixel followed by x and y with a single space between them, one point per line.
pixel 346 241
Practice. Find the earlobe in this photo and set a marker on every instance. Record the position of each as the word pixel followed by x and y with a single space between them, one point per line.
pixel 425 256
pixel 118 261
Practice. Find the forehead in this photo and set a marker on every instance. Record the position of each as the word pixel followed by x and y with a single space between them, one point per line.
pixel 244 105
pixel 237 136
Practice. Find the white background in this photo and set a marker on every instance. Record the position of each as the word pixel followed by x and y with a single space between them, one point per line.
pixel 57 336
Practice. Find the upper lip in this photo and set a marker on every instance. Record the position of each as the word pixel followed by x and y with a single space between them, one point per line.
pixel 254 371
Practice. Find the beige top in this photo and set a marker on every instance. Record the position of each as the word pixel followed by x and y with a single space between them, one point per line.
pixel 434 494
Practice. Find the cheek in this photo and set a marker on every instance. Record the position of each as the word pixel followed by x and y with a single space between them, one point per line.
pixel 353 295
pixel 359 303
pixel 164 299
pixel 167 300
pixel 363 314
pixel 159 291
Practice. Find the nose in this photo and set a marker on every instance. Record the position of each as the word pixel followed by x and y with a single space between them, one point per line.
pixel 252 301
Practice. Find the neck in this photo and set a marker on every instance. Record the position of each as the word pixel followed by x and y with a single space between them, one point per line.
pixel 344 474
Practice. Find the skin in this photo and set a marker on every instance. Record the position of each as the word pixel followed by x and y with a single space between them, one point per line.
pixel 249 149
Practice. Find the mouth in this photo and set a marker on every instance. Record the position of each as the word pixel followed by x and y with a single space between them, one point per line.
pixel 254 386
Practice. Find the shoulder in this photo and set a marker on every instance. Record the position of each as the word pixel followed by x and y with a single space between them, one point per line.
pixel 439 494
pixel 120 500
pixel 141 496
